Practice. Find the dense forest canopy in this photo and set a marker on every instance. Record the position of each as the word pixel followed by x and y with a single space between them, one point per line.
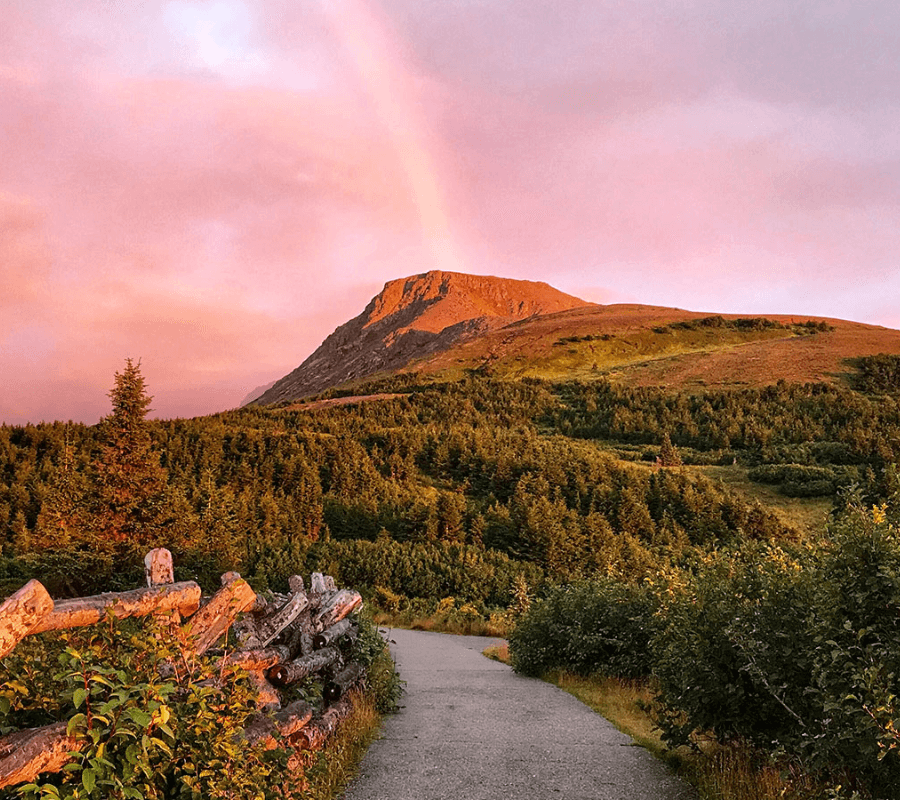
pixel 479 477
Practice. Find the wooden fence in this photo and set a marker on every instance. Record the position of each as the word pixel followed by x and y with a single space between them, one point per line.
pixel 281 640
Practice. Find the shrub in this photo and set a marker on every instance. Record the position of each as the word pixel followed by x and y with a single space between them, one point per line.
pixel 857 651
pixel 794 473
pixel 138 734
pixel 878 374
pixel 731 650
pixel 370 651
pixel 601 626
pixel 798 652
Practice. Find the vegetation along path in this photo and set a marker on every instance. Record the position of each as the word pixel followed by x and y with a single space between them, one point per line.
pixel 471 729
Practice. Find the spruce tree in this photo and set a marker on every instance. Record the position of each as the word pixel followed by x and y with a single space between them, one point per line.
pixel 61 522
pixel 129 485
pixel 668 455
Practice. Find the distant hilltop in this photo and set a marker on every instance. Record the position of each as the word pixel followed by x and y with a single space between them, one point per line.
pixel 450 324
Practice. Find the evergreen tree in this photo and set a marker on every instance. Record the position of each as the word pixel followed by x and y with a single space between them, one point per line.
pixel 61 522
pixel 129 486
pixel 668 455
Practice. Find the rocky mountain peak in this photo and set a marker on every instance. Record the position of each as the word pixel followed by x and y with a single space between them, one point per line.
pixel 415 317
pixel 436 300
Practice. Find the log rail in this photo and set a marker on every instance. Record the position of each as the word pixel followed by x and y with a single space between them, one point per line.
pixel 280 641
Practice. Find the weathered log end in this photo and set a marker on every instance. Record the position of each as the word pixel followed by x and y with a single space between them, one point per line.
pixel 331 635
pixel 229 577
pixel 21 612
pixel 338 686
pixel 338 606
pixel 317 583
pixel 158 567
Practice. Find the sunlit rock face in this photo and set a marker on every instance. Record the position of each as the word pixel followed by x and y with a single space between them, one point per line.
pixel 416 317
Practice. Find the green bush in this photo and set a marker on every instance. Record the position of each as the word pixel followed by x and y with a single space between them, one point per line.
pixel 856 661
pixel 370 650
pixel 793 473
pixel 821 488
pixel 878 374
pixel 601 626
pixel 139 735
pixel 731 652
pixel 797 652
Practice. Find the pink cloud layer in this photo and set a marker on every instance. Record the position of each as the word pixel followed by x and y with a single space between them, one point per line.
pixel 217 206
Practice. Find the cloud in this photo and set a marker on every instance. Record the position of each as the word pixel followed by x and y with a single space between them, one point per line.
pixel 214 185
pixel 24 254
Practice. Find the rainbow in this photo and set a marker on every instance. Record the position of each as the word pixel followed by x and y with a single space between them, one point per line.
pixel 365 37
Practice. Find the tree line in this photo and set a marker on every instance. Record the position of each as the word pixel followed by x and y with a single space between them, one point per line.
pixel 478 463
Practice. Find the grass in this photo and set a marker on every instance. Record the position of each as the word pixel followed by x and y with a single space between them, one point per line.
pixel 495 625
pixel 734 772
pixel 545 352
pixel 806 514
pixel 339 763
pixel 498 653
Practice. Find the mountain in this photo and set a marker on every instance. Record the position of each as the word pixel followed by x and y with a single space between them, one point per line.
pixel 413 318
pixel 642 345
pixel 256 393
pixel 448 325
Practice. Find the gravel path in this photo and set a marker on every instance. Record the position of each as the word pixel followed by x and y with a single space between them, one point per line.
pixel 471 729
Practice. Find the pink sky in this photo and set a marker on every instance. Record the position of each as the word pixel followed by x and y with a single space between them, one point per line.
pixel 212 186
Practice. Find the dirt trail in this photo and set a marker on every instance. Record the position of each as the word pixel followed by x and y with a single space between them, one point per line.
pixel 471 729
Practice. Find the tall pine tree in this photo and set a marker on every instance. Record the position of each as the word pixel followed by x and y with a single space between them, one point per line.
pixel 668 455
pixel 133 507
pixel 129 485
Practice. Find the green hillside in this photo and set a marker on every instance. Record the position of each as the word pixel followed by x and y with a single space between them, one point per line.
pixel 552 480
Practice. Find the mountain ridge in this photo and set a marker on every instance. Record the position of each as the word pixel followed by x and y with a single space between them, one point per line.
pixel 448 325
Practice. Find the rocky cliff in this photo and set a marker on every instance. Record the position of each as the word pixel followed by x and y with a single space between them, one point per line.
pixel 416 317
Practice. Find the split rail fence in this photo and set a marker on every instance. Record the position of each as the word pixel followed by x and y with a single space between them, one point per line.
pixel 281 641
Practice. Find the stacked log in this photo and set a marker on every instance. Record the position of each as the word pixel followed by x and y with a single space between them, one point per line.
pixel 21 613
pixel 183 598
pixel 300 668
pixel 342 682
pixel 314 735
pixel 282 639
pixel 336 607
pixel 286 722
pixel 212 621
pixel 329 636
pixel 26 754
